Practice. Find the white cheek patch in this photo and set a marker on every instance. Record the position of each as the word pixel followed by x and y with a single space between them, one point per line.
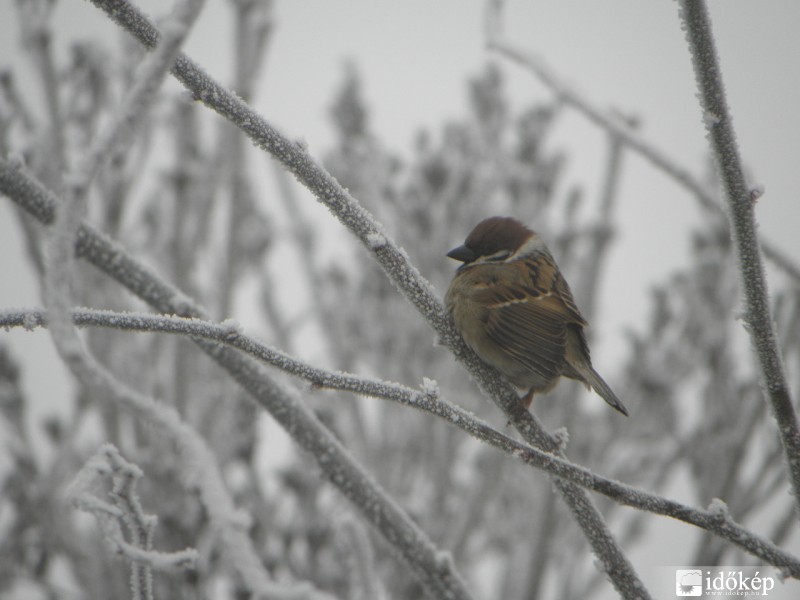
pixel 534 245
pixel 497 257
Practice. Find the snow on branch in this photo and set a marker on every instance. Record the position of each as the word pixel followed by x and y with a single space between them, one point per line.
pixel 123 508
pixel 741 208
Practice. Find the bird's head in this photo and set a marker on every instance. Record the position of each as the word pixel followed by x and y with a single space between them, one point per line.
pixel 497 240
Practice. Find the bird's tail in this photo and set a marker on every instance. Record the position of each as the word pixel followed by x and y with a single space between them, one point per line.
pixel 601 387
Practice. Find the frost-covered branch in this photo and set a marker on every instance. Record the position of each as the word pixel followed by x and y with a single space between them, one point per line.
pixel 615 126
pixel 151 73
pixel 124 508
pixel 396 265
pixel 741 208
pixel 61 237
pixel 36 33
pixel 426 400
pixel 401 272
pixel 428 563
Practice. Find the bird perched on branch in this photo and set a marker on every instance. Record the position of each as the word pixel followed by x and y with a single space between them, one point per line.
pixel 513 307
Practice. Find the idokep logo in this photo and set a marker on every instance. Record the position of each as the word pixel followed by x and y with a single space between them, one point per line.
pixel 705 583
pixel 688 582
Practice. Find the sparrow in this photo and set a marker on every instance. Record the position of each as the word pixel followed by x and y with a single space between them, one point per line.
pixel 513 307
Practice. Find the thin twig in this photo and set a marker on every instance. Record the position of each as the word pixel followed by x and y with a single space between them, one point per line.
pixel 249 41
pixel 757 315
pixel 139 98
pixel 603 233
pixel 37 36
pixel 123 508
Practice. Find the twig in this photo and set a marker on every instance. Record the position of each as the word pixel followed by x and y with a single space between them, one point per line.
pixel 603 233
pixel 357 550
pixel 400 271
pixel 37 36
pixel 124 508
pixel 757 318
pixel 252 20
pixel 427 400
pixel 139 98
pixel 18 106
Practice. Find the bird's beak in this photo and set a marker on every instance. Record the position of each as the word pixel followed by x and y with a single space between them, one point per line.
pixel 463 254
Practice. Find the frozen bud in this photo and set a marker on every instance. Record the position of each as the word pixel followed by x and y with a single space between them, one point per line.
pixel 719 509
pixel 375 240
pixel 232 329
pixel 430 387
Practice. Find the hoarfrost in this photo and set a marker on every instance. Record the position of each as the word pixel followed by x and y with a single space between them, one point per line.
pixel 233 329
pixel 30 322
pixel 710 119
pixel 375 240
pixel 430 387
pixel 562 437
pixel 719 509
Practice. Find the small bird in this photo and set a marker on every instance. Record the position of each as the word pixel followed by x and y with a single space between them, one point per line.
pixel 513 307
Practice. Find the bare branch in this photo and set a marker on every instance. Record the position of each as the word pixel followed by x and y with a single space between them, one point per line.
pixel 139 98
pixel 757 317
pixel 37 37
pixel 124 508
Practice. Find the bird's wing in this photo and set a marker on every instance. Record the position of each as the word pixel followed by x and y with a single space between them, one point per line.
pixel 529 317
